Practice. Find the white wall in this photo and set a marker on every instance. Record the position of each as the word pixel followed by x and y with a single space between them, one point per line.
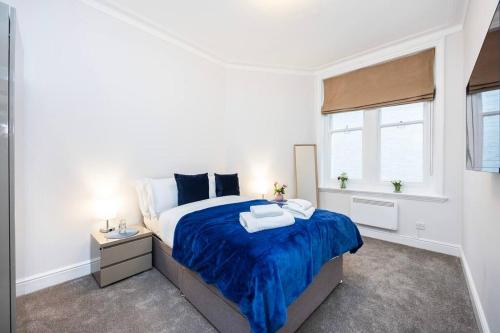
pixel 276 112
pixel 442 219
pixel 481 192
pixel 481 232
pixel 101 103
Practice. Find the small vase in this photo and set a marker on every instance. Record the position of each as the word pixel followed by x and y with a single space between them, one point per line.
pixel 397 189
pixel 278 197
pixel 342 184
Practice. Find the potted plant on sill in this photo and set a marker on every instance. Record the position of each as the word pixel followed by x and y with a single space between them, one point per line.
pixel 343 178
pixel 397 185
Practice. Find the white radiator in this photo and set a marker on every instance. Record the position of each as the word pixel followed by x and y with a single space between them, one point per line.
pixel 375 212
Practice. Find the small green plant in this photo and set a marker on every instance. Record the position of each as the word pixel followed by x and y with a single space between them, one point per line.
pixel 279 189
pixel 397 185
pixel 343 178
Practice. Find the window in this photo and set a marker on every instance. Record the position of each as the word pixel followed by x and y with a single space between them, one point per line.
pixel 402 142
pixel 490 114
pixel 346 142
pixel 379 145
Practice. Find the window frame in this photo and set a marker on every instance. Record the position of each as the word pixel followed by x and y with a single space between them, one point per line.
pixel 426 149
pixel 371 152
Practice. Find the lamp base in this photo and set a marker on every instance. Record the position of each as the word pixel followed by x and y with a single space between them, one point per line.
pixel 106 230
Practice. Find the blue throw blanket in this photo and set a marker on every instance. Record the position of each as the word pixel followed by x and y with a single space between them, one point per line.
pixel 266 271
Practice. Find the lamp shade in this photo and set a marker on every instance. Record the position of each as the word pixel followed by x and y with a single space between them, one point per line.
pixel 261 187
pixel 106 209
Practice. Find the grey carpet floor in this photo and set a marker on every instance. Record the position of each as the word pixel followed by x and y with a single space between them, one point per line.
pixel 387 288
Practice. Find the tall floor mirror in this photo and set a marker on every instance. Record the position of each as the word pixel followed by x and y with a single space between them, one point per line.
pixel 306 173
pixel 7 275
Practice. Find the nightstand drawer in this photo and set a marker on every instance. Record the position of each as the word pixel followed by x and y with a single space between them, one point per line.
pixel 124 269
pixel 124 251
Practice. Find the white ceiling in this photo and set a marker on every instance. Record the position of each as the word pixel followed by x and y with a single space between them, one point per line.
pixel 295 34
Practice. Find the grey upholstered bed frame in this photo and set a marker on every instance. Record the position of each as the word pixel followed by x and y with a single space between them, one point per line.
pixel 224 314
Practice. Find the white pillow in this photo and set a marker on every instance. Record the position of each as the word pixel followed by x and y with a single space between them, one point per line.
pixel 142 194
pixel 163 195
pixel 211 187
pixel 160 194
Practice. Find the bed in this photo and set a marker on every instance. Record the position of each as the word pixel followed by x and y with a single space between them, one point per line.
pixel 225 315
pixel 263 282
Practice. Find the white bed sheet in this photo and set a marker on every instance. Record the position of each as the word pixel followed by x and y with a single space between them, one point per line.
pixel 164 226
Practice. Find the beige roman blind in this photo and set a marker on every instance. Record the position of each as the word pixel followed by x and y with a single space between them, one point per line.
pixel 399 81
pixel 486 73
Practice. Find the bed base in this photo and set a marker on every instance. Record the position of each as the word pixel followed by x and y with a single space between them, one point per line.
pixel 223 314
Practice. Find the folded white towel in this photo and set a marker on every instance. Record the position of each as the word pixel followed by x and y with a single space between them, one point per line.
pixel 300 203
pixel 300 213
pixel 254 224
pixel 266 210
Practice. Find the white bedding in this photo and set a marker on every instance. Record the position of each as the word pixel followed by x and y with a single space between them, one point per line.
pixel 164 226
pixel 156 195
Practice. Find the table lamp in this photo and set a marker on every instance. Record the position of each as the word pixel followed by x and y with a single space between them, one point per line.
pixel 106 210
pixel 261 188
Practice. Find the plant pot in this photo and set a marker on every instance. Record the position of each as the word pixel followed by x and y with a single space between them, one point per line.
pixel 278 197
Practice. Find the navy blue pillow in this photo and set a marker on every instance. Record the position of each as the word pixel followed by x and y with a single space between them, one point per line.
pixel 191 188
pixel 227 185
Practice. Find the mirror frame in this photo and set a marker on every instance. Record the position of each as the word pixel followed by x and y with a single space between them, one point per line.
pixel 315 167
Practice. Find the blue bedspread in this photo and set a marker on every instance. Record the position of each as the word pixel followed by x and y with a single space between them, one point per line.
pixel 263 272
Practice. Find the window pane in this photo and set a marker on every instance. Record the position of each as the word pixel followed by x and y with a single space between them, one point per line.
pixel 491 141
pixel 402 113
pixel 352 119
pixel 490 101
pixel 347 149
pixel 401 153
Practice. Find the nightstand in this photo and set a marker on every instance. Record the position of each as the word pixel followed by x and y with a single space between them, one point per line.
pixel 121 258
pixel 279 203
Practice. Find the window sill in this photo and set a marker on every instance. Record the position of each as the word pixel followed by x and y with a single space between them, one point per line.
pixel 384 194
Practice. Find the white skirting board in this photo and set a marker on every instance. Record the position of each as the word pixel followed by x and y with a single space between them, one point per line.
pixel 421 243
pixel 63 274
pixel 474 295
pixel 53 277
pixel 56 276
